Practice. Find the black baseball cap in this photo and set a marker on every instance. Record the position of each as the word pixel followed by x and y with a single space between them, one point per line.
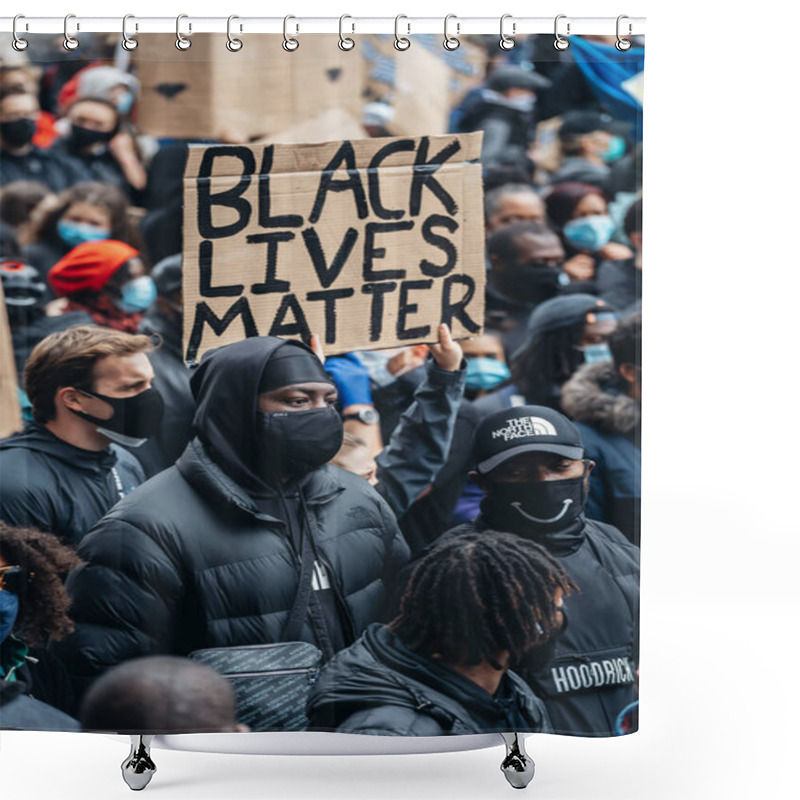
pixel 524 429
pixel 576 123
pixel 168 275
pixel 509 76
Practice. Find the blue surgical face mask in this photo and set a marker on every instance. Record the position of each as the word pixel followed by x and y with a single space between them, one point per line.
pixel 596 353
pixel 615 150
pixel 9 608
pixel 137 295
pixel 485 373
pixel 589 233
pixel 75 233
pixel 125 103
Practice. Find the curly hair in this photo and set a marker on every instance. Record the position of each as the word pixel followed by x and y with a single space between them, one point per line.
pixel 478 594
pixel 44 604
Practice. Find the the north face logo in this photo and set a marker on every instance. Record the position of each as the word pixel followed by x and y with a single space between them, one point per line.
pixel 524 426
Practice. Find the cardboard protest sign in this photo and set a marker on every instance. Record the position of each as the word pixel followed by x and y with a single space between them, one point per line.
pixel 335 123
pixel 420 84
pixel 10 411
pixel 369 243
pixel 201 93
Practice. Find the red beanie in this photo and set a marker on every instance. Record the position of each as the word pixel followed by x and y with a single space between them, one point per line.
pixel 89 266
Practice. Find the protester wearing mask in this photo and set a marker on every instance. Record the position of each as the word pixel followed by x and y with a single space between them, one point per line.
pixel 619 282
pixel 504 109
pixel 107 280
pixel 86 212
pixel 20 159
pixel 590 143
pixel 91 389
pixel 25 295
pixel 525 259
pixel 604 400
pixel 250 538
pixel 105 153
pixel 561 334
pixel 580 213
pixel 33 609
pixel 530 463
pixel 444 665
pixel 486 365
pixel 164 321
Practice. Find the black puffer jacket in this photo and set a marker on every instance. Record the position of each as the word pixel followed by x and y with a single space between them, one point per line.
pixel 593 674
pixel 191 561
pixel 51 485
pixel 380 687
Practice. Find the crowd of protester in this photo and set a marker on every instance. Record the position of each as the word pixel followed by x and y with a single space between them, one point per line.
pixel 454 527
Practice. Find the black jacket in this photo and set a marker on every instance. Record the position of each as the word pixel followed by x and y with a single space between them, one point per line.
pixel 609 424
pixel 619 283
pixel 380 687
pixel 192 560
pixel 55 170
pixel 172 381
pixel 51 485
pixel 592 675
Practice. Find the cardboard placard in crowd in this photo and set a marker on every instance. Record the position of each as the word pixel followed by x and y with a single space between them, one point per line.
pixel 335 123
pixel 10 411
pixel 369 243
pixel 200 93
pixel 420 84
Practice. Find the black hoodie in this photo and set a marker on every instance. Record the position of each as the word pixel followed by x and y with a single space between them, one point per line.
pixel 49 484
pixel 202 555
pixel 381 687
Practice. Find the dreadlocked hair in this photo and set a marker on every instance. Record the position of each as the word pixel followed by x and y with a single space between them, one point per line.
pixel 479 594
pixel 43 608
pixel 549 360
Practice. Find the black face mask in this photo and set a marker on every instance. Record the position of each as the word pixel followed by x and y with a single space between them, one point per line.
pixel 532 282
pixel 294 443
pixel 134 420
pixel 536 508
pixel 19 132
pixel 80 137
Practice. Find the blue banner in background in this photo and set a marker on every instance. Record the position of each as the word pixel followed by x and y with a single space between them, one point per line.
pixel 606 69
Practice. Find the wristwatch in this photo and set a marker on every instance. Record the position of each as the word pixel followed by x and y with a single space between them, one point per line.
pixel 369 416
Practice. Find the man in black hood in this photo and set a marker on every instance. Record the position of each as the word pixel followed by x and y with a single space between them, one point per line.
pixel 250 538
pixel 530 462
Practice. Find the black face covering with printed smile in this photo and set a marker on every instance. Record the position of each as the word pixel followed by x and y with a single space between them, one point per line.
pixel 538 509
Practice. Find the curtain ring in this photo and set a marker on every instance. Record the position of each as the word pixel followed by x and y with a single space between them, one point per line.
pixel 128 42
pixel 507 42
pixel 70 42
pixel 451 42
pixel 290 44
pixel 18 43
pixel 345 42
pixel 623 44
pixel 233 44
pixel 181 42
pixel 401 42
pixel 560 42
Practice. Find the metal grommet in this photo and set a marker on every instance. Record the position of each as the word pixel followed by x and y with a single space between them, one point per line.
pixel 70 42
pixel 345 42
pixel 401 42
pixel 128 42
pixel 290 44
pixel 451 42
pixel 233 44
pixel 181 42
pixel 507 42
pixel 623 44
pixel 560 42
pixel 18 43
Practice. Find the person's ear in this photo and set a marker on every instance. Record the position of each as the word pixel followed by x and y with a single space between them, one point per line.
pixel 590 465
pixel 479 480
pixel 628 372
pixel 70 397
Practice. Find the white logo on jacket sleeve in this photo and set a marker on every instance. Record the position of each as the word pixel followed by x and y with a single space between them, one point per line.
pixel 523 427
pixel 592 675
